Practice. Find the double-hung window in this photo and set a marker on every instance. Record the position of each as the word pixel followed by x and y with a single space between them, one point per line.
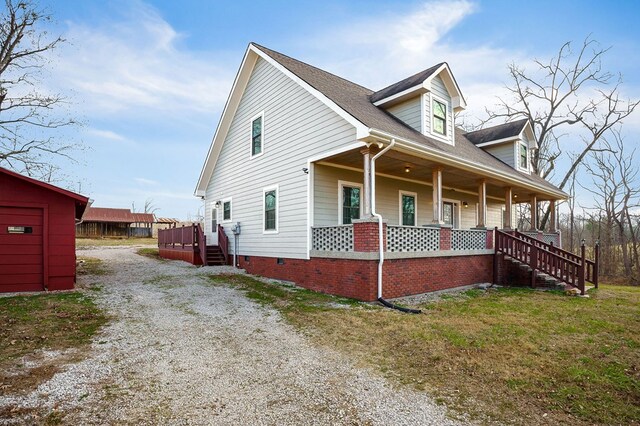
pixel 226 210
pixel 349 202
pixel 270 207
pixel 439 117
pixel 257 135
pixel 524 156
pixel 408 208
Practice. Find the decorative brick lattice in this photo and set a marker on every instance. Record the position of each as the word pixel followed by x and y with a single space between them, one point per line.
pixel 468 239
pixel 410 238
pixel 332 238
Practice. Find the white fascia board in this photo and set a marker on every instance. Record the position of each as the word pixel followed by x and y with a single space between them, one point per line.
pixel 458 102
pixel 230 107
pixel 237 90
pixel 395 96
pixel 467 164
pixel 498 141
pixel 529 129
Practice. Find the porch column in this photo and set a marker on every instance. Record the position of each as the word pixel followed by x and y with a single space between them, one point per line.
pixel 553 225
pixel 534 212
pixel 366 187
pixel 482 204
pixel 437 196
pixel 508 196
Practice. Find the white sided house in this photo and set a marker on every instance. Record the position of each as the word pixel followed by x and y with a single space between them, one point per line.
pixel 362 193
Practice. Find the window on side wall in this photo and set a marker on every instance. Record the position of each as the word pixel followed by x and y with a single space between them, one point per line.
pixel 226 210
pixel 439 117
pixel 270 204
pixel 257 135
pixel 524 156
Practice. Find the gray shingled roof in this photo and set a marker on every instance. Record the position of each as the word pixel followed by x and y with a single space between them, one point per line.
pixel 495 133
pixel 405 84
pixel 355 100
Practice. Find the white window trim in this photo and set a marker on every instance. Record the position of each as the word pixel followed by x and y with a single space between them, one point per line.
pixel 264 192
pixel 447 138
pixel 415 214
pixel 259 115
pixel 230 201
pixel 341 184
pixel 518 144
pixel 457 219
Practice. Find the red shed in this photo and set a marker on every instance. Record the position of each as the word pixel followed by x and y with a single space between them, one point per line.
pixel 37 234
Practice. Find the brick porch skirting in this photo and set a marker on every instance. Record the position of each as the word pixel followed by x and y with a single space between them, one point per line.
pixel 357 278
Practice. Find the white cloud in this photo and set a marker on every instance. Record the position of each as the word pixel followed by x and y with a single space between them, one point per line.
pixel 145 181
pixel 105 134
pixel 137 63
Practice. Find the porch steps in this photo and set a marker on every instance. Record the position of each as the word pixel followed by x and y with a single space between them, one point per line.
pixel 215 256
pixel 543 281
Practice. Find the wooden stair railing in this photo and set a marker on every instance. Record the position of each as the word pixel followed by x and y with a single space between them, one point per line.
pixel 591 271
pixel 201 240
pixel 223 242
pixel 569 269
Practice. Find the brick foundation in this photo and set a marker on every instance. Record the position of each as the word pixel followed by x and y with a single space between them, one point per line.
pixel 358 278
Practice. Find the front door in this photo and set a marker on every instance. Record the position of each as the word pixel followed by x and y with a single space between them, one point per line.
pixel 213 241
pixel 448 213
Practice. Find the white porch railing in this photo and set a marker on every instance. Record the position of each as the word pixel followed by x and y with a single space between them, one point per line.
pixel 332 238
pixel 468 239
pixel 412 239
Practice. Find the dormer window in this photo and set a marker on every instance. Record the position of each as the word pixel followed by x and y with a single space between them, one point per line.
pixel 524 156
pixel 439 117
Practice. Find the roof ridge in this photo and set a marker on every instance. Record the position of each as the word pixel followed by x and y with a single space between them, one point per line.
pixel 261 47
pixel 523 120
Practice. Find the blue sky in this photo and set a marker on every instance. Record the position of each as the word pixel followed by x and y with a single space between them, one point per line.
pixel 149 79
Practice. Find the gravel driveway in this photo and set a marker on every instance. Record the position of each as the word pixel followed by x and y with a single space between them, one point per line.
pixel 181 351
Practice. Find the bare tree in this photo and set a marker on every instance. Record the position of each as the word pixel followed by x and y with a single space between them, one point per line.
pixel 149 207
pixel 29 114
pixel 571 92
pixel 616 192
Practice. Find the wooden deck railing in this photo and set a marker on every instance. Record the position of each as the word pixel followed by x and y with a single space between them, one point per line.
pixel 185 238
pixel 540 256
pixel 223 243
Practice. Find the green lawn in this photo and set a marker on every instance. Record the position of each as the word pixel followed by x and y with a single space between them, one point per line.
pixel 511 355
pixel 92 242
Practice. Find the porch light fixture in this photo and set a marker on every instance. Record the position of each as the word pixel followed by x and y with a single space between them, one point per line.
pixel 407 169
pixel 305 170
pixel 515 195
pixel 218 203
pixel 465 204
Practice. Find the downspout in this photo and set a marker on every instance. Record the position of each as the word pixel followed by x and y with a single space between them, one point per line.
pixel 380 233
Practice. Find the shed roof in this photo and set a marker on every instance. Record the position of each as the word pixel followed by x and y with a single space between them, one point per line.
pixel 103 214
pixel 144 217
pixel 80 200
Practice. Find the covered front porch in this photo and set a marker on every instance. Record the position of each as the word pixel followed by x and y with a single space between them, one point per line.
pixel 428 207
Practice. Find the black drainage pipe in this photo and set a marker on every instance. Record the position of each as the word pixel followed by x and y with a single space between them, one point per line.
pixel 399 308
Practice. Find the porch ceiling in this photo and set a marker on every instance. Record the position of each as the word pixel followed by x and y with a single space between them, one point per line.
pixel 394 163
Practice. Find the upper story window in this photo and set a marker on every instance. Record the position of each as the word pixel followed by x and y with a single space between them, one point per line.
pixel 257 135
pixel 439 117
pixel 524 156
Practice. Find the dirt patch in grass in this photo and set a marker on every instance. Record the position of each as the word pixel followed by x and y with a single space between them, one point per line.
pixel 512 355
pixel 153 253
pixel 91 266
pixel 60 322
pixel 100 242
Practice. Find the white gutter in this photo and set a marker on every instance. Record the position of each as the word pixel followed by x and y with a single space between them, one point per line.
pixel 373 213
pixel 452 160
